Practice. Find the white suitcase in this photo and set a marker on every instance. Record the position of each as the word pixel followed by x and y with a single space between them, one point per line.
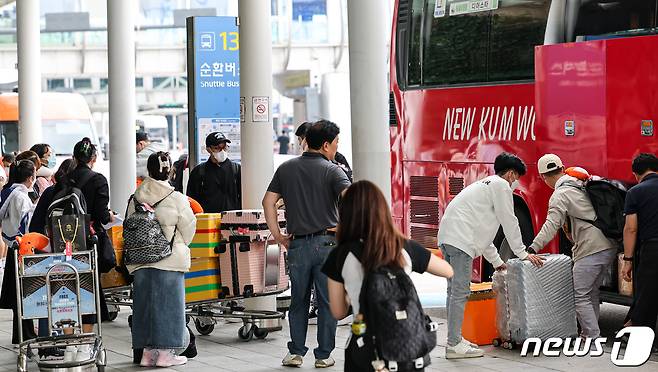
pixel 535 302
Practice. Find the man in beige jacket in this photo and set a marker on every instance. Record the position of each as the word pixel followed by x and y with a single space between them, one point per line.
pixel 593 253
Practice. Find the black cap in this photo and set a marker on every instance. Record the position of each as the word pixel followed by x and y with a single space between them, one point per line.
pixel 216 138
pixel 141 136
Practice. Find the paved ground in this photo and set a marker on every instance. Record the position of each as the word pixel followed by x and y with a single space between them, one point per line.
pixel 222 351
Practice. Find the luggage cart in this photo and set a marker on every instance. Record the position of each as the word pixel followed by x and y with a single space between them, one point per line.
pixel 117 297
pixel 258 323
pixel 70 287
pixel 255 323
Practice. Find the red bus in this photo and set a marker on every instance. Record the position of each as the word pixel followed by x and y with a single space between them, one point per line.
pixel 470 79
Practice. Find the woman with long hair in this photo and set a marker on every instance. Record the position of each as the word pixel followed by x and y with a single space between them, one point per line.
pixel 367 241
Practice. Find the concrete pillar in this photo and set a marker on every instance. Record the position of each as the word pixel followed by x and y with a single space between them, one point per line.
pixel 299 112
pixel 335 104
pixel 256 87
pixel 122 106
pixel 368 34
pixel 29 73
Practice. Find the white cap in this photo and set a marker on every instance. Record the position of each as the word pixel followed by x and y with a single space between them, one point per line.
pixel 549 163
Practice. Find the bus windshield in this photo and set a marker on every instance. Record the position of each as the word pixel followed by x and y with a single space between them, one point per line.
pixel 62 135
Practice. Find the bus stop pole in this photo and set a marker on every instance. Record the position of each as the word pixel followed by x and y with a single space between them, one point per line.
pixel 122 104
pixel 29 73
pixel 256 141
pixel 368 30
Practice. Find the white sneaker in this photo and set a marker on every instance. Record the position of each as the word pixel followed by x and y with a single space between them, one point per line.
pixel 292 360
pixel 324 363
pixel 84 353
pixel 469 343
pixel 463 350
pixel 346 321
pixel 70 354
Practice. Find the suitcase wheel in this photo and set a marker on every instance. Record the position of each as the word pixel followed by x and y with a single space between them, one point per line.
pixel 246 333
pixel 509 345
pixel 496 342
pixel 203 328
pixel 260 334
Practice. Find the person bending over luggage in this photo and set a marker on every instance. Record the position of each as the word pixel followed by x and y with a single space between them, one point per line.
pixel 158 324
pixel 16 210
pixel 367 241
pixel 467 230
pixel 593 253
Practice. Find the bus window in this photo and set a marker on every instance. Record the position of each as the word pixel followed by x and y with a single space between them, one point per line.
pixel 9 136
pixel 62 135
pixel 516 28
pixel 455 46
pixel 604 17
pixel 414 66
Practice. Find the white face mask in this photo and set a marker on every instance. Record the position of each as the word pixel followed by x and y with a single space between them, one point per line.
pixel 515 185
pixel 220 156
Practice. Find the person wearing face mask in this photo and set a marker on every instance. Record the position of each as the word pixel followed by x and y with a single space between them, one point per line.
pixel 216 183
pixel 592 252
pixel 47 169
pixel 16 210
pixel 467 230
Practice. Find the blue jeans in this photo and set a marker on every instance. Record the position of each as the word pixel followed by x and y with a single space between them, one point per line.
pixel 459 288
pixel 305 259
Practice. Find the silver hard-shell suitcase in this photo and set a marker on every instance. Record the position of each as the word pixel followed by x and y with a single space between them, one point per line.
pixel 535 302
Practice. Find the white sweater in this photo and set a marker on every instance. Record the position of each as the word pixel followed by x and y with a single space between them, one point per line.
pixel 472 219
pixel 16 212
pixel 174 212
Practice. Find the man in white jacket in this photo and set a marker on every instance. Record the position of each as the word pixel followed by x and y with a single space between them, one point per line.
pixel 467 230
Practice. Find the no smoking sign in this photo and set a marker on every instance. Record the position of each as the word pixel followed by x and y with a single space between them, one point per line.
pixel 260 109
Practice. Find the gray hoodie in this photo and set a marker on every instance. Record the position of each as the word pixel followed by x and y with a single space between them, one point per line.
pixel 569 200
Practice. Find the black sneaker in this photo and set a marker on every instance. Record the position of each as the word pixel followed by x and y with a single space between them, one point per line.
pixel 313 316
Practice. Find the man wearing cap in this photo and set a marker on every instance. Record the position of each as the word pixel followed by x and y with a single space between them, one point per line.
pixel 144 148
pixel 593 253
pixel 216 184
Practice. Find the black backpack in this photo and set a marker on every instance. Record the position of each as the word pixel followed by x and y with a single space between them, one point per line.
pixel 396 325
pixel 608 197
pixel 67 220
pixel 69 200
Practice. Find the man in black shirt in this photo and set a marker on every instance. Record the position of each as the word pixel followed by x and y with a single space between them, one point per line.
pixel 310 185
pixel 216 184
pixel 641 229
pixel 284 141
pixel 339 159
